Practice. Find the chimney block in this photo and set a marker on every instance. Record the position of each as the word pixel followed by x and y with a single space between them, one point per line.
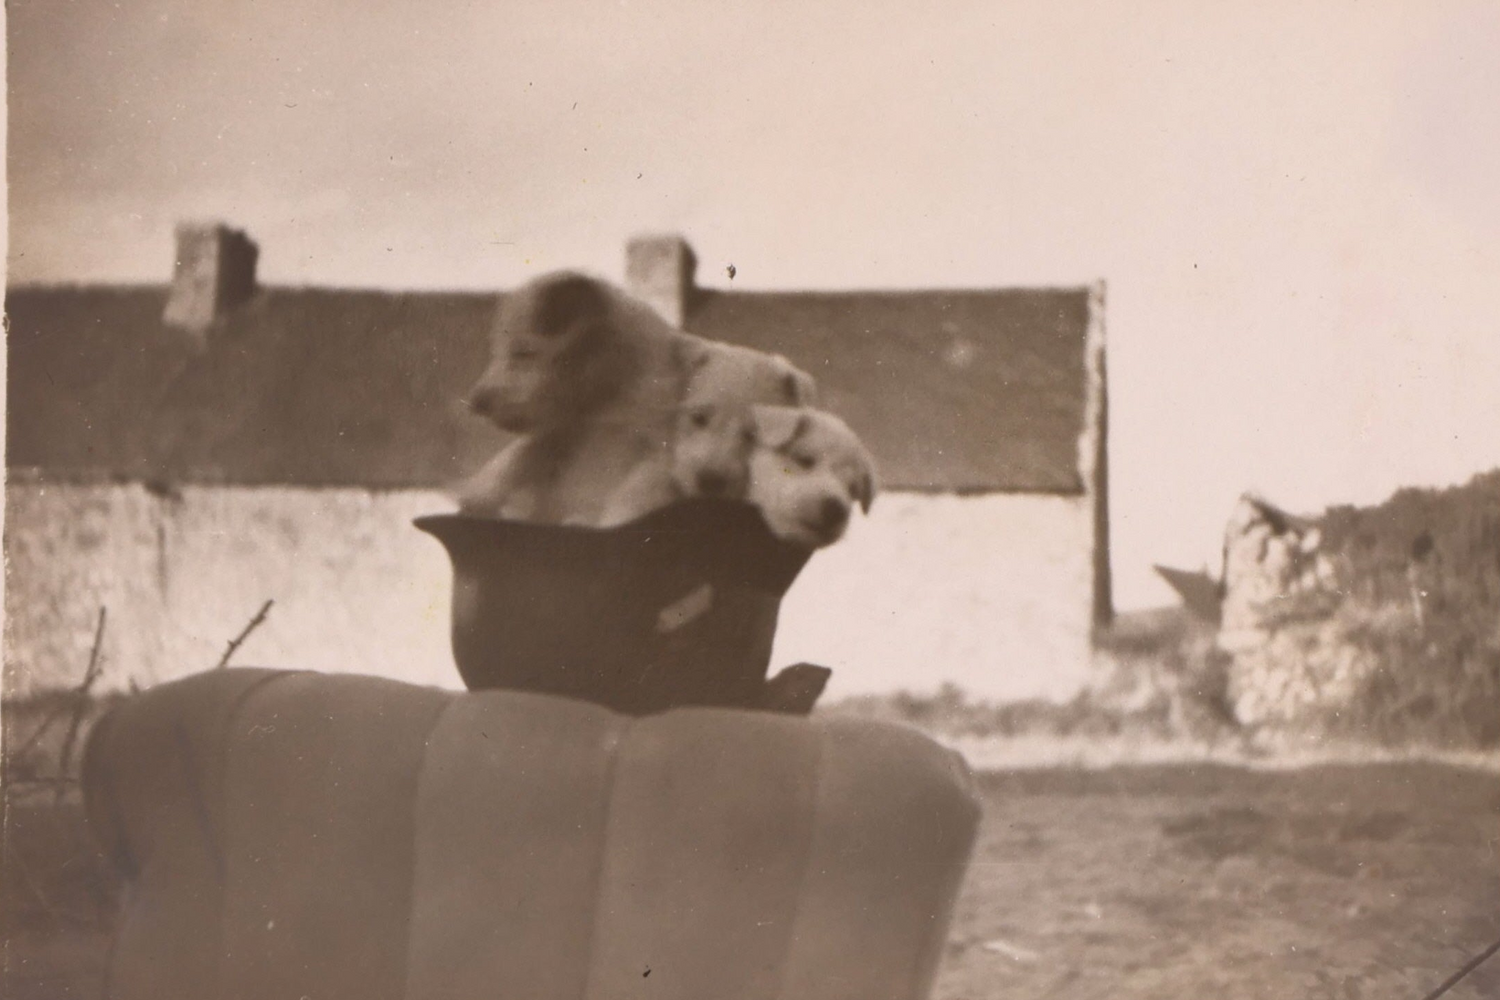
pixel 660 271
pixel 214 273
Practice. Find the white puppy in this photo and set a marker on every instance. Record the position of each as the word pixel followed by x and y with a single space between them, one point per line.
pixel 806 472
pixel 710 457
pixel 715 430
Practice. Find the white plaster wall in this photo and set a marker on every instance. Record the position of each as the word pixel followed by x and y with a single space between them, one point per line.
pixel 68 552
pixel 991 593
pixel 357 588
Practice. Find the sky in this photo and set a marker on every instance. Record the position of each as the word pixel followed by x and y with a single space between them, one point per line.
pixel 1294 205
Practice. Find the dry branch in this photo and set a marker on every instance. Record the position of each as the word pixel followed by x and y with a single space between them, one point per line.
pixel 260 616
pixel 71 703
pixel 80 696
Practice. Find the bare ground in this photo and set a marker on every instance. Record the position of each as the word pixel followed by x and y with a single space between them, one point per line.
pixel 1356 883
pixel 1360 882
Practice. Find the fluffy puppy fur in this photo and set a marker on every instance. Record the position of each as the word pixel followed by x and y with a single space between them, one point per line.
pixel 566 348
pixel 728 373
pixel 709 457
pixel 619 412
pixel 591 379
pixel 714 433
pixel 806 473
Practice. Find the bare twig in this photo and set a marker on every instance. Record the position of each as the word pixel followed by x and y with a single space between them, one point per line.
pixel 260 616
pixel 95 667
pixel 1469 967
pixel 81 695
pixel 69 704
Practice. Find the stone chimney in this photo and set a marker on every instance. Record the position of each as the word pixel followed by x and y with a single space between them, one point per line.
pixel 215 272
pixel 659 271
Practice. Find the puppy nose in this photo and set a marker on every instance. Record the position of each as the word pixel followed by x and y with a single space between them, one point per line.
pixel 832 513
pixel 712 482
pixel 483 400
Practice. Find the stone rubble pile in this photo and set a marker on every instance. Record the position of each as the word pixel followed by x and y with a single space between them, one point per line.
pixel 1292 656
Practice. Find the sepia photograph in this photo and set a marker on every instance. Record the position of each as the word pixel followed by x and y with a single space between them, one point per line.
pixel 827 500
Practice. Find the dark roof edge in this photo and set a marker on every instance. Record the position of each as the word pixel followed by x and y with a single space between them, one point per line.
pixel 87 286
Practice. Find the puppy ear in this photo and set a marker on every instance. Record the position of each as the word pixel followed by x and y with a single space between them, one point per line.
pixel 568 303
pixel 864 491
pixel 800 388
pixel 591 369
pixel 804 422
pixel 797 387
pixel 799 427
pixel 807 389
pixel 688 356
pixel 794 388
pixel 776 427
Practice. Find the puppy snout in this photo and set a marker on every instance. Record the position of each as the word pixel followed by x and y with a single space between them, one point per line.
pixel 712 483
pixel 499 408
pixel 483 400
pixel 832 514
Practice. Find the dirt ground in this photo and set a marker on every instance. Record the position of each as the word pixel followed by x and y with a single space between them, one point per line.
pixel 1354 883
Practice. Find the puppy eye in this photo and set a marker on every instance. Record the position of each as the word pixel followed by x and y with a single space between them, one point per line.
pixel 747 436
pixel 523 354
pixel 700 418
pixel 804 461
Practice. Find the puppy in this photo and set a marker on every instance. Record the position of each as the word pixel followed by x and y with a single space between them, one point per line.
pixel 592 381
pixel 567 348
pixel 714 433
pixel 709 457
pixel 807 470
